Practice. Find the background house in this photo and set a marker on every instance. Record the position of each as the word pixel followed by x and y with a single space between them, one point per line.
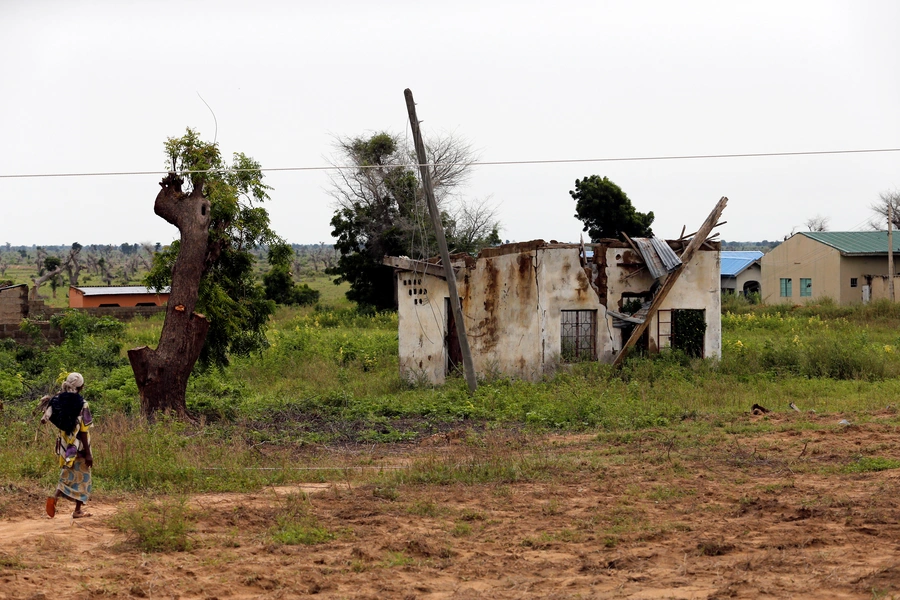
pixel 740 271
pixel 529 307
pixel 112 296
pixel 849 267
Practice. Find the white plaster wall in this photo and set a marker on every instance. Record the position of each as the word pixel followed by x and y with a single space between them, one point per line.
pixel 512 307
pixel 564 285
pixel 503 318
pixel 421 326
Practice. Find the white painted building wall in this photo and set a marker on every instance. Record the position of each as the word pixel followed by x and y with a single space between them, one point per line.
pixel 512 301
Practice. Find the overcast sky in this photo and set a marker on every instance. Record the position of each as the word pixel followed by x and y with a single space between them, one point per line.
pixel 99 86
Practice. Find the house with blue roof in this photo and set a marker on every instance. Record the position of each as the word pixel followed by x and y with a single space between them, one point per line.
pixel 850 267
pixel 740 272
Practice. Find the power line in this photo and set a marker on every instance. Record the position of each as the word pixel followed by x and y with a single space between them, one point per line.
pixel 474 163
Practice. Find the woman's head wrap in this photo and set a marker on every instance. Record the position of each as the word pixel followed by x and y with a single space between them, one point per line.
pixel 73 383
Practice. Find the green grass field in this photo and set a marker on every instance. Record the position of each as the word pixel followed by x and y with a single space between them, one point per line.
pixel 330 376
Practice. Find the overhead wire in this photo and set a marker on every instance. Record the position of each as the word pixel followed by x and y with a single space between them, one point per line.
pixel 480 163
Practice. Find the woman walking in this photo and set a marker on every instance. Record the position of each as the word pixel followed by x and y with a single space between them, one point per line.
pixel 72 417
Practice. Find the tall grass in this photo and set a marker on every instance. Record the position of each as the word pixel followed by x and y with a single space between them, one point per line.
pixel 331 375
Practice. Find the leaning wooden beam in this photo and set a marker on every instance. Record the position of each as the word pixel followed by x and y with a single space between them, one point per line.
pixel 468 363
pixel 686 256
pixel 415 266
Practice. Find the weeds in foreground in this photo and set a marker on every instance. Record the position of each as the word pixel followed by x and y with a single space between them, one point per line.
pixel 8 561
pixel 867 464
pixel 295 524
pixel 163 526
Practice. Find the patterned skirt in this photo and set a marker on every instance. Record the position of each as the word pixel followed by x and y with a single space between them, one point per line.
pixel 75 481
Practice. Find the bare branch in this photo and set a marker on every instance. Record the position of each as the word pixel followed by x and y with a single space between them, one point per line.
pixel 880 208
pixel 817 223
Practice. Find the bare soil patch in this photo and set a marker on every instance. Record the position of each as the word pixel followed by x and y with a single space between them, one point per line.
pixel 775 513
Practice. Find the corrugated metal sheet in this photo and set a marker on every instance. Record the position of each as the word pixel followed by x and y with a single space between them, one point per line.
pixel 658 256
pixel 855 242
pixel 668 256
pixel 733 263
pixel 651 258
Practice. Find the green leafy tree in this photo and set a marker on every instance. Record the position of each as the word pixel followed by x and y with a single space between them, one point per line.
pixel 215 307
pixel 381 211
pixel 279 281
pixel 606 210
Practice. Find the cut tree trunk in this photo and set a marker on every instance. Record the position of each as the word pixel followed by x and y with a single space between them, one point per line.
pixel 162 374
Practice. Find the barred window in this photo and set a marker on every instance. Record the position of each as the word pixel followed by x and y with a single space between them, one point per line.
pixel 578 337
pixel 805 286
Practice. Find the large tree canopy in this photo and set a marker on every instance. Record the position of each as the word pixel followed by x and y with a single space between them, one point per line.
pixel 215 307
pixel 381 211
pixel 606 211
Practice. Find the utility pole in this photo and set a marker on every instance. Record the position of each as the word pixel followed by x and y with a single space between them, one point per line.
pixel 890 249
pixel 468 364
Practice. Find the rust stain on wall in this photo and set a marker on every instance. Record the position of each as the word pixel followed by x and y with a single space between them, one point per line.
pixel 521 284
pixel 526 265
pixel 601 279
pixel 487 327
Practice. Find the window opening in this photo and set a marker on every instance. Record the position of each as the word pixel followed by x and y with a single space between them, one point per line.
pixel 805 287
pixel 786 288
pixel 664 328
pixel 689 331
pixel 578 335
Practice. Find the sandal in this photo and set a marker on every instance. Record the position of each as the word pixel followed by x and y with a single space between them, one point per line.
pixel 51 506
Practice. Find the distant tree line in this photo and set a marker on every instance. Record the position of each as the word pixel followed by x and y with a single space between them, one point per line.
pixel 763 246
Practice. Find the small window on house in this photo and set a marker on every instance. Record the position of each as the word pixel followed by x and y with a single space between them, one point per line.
pixel 854 282
pixel 786 288
pixel 805 287
pixel 578 335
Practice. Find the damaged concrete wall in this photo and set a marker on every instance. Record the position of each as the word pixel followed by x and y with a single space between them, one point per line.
pixel 564 286
pixel 513 298
pixel 422 323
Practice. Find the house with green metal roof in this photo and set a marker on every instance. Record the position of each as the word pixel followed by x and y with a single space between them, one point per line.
pixel 850 267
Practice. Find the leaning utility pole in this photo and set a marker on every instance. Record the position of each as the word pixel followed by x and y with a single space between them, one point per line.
pixel 890 249
pixel 468 365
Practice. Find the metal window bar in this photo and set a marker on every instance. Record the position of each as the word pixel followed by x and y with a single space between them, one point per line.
pixel 578 335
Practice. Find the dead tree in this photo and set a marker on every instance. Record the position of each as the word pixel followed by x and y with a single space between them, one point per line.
pixel 162 374
pixel 55 272
pixel 74 266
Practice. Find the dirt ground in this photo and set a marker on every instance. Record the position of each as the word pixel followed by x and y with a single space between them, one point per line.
pixel 777 514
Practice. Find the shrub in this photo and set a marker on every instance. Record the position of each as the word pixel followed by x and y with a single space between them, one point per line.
pixel 157 526
pixel 295 525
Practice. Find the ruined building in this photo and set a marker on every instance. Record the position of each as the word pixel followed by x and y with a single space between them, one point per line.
pixel 530 307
